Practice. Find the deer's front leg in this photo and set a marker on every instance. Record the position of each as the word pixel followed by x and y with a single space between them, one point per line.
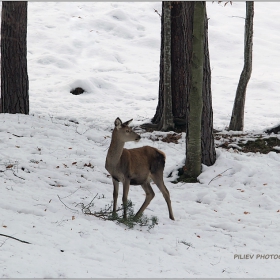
pixel 124 199
pixel 115 194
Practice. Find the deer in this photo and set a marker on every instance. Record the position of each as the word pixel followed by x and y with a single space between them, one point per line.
pixel 136 166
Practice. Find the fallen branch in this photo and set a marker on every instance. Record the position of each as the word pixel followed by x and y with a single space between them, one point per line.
pixel 15 134
pixel 17 175
pixel 218 176
pixel 14 238
pixel 130 221
pixel 107 214
pixel 66 205
pixel 103 214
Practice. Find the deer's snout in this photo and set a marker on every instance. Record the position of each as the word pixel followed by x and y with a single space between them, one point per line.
pixel 138 137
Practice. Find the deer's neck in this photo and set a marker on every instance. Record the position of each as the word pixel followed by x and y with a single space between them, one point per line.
pixel 114 152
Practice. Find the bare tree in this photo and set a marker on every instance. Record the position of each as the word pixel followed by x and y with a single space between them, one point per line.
pixel 237 117
pixel 14 77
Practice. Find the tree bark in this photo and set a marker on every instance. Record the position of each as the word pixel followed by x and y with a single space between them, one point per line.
pixel 14 77
pixel 208 156
pixel 181 52
pixel 195 102
pixel 166 122
pixel 237 117
pixel 179 72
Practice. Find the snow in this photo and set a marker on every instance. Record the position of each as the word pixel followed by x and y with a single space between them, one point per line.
pixel 225 226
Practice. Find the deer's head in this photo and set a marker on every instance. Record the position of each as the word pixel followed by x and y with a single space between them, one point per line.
pixel 124 132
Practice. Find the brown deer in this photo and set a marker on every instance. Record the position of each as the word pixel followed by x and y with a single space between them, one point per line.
pixel 135 167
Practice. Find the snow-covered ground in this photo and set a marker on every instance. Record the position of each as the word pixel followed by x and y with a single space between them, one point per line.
pixel 226 226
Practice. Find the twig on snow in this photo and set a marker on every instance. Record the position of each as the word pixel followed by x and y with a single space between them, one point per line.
pixel 14 238
pixel 15 134
pixel 103 214
pixel 66 205
pixel 72 193
pixel 83 132
pixel 17 175
pixel 156 11
pixel 219 175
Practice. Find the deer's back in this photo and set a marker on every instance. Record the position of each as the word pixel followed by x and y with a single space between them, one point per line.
pixel 140 162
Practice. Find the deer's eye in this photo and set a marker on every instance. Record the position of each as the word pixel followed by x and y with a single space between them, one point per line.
pixel 127 131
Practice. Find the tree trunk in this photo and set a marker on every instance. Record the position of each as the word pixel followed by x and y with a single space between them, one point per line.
pixel 14 77
pixel 182 23
pixel 208 156
pixel 166 122
pixel 181 51
pixel 237 117
pixel 195 103
pixel 179 69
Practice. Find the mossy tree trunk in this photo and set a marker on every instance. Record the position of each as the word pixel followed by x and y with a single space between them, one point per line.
pixel 237 116
pixel 195 103
pixel 14 77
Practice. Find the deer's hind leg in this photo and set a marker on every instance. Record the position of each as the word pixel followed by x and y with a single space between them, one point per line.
pixel 157 177
pixel 149 196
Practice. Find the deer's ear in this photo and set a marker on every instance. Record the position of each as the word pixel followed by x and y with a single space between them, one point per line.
pixel 127 122
pixel 118 123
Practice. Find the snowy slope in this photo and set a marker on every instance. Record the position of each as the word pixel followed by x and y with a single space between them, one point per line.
pixel 56 154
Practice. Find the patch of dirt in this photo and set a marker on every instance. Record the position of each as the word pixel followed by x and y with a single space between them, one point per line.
pixel 172 138
pixel 243 142
pixel 169 138
pixel 248 143
pixel 261 145
pixel 275 129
